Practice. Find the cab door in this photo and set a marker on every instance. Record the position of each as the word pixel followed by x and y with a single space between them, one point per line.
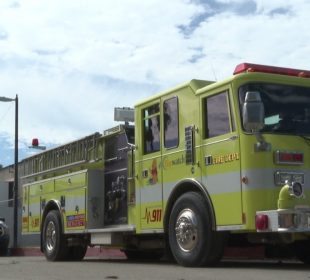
pixel 220 157
pixel 148 169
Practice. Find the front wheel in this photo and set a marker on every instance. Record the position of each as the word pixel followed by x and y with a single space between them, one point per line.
pixel 191 238
pixel 53 240
pixel 302 251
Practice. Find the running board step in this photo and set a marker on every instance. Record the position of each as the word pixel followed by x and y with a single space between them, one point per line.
pixel 110 235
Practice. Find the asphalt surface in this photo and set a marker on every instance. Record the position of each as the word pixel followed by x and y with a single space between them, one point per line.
pixel 35 268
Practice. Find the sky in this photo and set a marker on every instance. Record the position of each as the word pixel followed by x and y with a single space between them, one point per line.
pixel 71 62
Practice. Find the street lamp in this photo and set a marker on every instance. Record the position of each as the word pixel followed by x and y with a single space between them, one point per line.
pixel 15 192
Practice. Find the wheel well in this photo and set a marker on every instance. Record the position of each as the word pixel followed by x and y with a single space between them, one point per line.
pixel 51 205
pixel 188 185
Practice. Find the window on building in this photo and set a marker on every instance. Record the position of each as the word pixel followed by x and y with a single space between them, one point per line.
pixel 217 120
pixel 171 122
pixel 151 129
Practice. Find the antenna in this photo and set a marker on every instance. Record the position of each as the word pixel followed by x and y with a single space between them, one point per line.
pixel 213 71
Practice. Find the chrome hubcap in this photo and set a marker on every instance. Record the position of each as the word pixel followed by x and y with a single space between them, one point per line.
pixel 186 230
pixel 50 236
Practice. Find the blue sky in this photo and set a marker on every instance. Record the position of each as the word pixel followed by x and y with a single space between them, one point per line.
pixel 71 62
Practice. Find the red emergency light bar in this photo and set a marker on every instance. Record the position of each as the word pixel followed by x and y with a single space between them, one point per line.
pixel 250 67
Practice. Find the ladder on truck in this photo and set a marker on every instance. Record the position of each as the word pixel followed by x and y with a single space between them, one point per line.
pixel 80 151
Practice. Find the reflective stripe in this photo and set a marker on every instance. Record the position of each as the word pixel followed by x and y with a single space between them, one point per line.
pixel 222 183
pixel 152 193
pixel 264 178
pixel 259 179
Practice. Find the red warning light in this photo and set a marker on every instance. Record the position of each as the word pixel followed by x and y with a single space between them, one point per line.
pixel 35 142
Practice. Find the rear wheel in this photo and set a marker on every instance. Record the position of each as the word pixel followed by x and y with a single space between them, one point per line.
pixel 191 238
pixel 53 240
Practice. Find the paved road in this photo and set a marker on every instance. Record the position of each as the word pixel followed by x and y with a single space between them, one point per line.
pixel 35 268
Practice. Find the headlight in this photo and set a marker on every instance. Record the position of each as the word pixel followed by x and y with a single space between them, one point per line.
pixel 282 177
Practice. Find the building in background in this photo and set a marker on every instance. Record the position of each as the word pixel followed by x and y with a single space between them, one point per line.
pixel 7 209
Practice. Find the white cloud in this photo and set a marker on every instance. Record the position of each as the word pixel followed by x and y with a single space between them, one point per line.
pixel 72 61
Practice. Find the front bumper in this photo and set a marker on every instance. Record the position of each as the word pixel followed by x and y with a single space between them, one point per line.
pixel 285 220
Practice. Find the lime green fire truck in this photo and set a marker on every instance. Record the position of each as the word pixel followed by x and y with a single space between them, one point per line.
pixel 206 165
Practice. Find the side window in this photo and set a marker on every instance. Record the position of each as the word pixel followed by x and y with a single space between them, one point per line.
pixel 171 122
pixel 216 110
pixel 151 129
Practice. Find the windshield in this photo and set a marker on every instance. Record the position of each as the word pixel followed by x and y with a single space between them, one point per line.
pixel 287 108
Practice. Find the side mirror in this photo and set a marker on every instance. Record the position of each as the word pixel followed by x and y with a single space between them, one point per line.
pixel 253 112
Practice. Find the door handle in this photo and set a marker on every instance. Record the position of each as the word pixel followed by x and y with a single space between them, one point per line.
pixel 235 137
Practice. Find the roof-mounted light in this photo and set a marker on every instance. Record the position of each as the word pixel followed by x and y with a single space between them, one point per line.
pixel 35 145
pixel 250 67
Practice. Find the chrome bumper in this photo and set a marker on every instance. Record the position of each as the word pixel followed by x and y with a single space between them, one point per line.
pixel 285 220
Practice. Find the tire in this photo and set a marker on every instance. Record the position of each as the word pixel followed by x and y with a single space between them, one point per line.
pixel 302 251
pixel 191 238
pixel 4 245
pixel 4 239
pixel 54 243
pixel 4 251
